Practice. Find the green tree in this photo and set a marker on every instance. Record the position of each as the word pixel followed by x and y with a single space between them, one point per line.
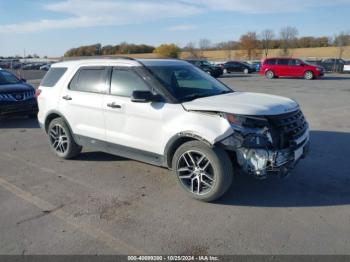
pixel 168 50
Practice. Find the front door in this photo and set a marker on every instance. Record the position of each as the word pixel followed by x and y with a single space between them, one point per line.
pixel 130 124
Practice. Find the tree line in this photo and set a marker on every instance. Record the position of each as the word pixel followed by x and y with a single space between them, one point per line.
pixel 121 49
pixel 252 43
pixel 287 38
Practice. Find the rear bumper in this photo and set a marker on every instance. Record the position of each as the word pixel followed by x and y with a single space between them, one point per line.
pixel 19 108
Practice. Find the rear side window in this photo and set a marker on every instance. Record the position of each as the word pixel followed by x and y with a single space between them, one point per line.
pixel 92 80
pixel 125 81
pixel 283 61
pixel 53 76
pixel 271 62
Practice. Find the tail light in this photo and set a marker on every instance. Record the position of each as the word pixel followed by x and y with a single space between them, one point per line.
pixel 37 92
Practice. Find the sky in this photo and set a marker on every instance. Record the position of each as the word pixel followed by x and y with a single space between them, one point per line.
pixel 51 27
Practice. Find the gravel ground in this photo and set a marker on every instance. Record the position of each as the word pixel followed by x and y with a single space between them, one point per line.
pixel 103 204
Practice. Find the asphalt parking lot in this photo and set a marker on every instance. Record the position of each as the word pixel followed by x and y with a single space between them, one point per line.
pixel 103 204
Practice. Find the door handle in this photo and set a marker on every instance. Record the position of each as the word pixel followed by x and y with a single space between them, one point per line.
pixel 114 105
pixel 67 97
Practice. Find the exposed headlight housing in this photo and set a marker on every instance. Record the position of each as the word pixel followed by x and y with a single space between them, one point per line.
pixel 254 161
pixel 246 121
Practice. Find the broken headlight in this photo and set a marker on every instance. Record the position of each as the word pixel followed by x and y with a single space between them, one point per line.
pixel 254 131
pixel 246 121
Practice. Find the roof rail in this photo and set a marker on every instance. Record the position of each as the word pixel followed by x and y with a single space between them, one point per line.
pixel 96 57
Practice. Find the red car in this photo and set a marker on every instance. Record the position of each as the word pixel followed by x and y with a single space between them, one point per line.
pixel 290 67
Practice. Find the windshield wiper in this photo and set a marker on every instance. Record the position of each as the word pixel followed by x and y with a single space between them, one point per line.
pixel 195 96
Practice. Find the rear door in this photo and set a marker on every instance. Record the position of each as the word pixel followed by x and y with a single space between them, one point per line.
pixel 81 102
pixel 282 67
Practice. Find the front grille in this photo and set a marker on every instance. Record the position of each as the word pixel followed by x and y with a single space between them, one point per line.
pixel 287 128
pixel 17 96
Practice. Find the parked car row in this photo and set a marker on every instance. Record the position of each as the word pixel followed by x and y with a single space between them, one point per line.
pixel 25 66
pixel 271 68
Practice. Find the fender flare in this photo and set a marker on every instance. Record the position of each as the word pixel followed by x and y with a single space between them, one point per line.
pixel 177 140
pixel 48 119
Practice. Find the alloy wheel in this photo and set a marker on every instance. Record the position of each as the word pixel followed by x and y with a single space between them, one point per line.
pixel 58 139
pixel 308 75
pixel 195 172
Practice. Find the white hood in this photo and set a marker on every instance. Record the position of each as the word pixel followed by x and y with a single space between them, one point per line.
pixel 243 103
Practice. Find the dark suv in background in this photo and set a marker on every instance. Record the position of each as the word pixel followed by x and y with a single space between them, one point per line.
pixel 211 69
pixel 238 67
pixel 17 98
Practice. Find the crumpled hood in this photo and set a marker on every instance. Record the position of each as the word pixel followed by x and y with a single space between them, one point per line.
pixel 244 103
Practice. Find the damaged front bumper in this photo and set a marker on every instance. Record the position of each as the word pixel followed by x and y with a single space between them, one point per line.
pixel 260 161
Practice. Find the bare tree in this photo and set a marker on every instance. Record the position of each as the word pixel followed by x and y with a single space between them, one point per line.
pixel 341 41
pixel 288 37
pixel 250 43
pixel 204 44
pixel 191 49
pixel 267 36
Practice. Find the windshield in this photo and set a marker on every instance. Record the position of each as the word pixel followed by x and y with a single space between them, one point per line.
pixel 7 78
pixel 206 63
pixel 186 82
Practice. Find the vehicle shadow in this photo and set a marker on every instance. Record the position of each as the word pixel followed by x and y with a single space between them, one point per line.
pixel 321 179
pixel 18 122
pixel 335 78
pixel 236 75
pixel 96 156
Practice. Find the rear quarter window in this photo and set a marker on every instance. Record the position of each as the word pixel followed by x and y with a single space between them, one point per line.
pixel 53 76
pixel 270 62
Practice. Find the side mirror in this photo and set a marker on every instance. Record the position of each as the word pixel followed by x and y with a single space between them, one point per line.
pixel 142 96
pixel 24 80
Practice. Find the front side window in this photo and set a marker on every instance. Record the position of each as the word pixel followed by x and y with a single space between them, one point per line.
pixel 91 80
pixel 186 82
pixel 294 62
pixel 7 78
pixel 125 81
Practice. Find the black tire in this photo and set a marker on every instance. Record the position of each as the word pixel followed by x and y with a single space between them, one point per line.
pixel 219 164
pixel 308 75
pixel 270 74
pixel 71 148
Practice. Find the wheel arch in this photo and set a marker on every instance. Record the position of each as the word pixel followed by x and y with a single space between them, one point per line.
pixel 178 140
pixel 53 115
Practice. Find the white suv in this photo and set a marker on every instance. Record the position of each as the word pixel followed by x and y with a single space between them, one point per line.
pixel 171 114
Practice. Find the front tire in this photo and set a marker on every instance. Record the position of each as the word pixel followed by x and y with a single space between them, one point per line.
pixel 246 71
pixel 308 75
pixel 61 140
pixel 204 173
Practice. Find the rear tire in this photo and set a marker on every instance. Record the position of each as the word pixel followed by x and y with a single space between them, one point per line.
pixel 308 75
pixel 270 74
pixel 204 173
pixel 61 140
pixel 246 71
